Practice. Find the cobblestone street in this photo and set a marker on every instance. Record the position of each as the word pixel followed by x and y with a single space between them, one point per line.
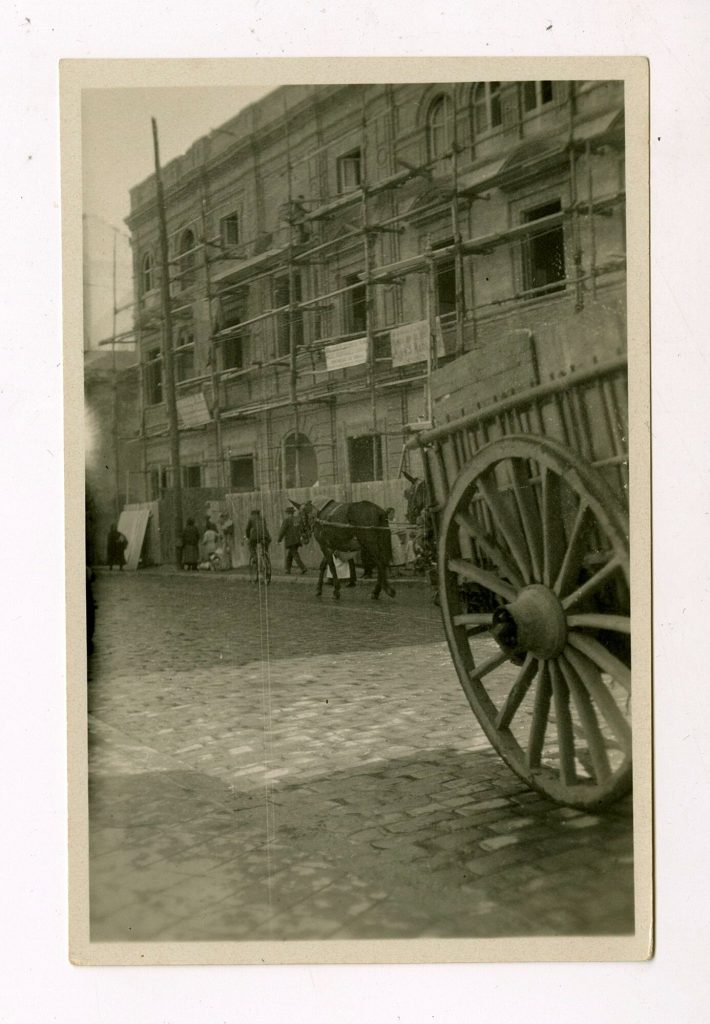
pixel 264 765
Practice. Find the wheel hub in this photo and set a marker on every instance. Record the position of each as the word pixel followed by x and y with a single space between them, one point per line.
pixel 534 622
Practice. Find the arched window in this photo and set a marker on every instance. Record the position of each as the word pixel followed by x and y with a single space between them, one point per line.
pixel 487 113
pixel 439 127
pixel 187 259
pixel 298 464
pixel 147 272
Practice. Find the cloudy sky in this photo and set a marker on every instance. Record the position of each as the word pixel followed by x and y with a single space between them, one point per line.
pixel 117 153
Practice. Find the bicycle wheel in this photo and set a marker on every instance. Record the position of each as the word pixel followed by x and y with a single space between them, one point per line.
pixel 267 567
pixel 254 569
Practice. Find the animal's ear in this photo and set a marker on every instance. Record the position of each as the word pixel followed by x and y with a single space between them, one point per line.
pixel 296 504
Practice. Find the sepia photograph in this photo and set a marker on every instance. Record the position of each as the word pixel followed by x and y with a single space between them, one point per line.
pixel 359 493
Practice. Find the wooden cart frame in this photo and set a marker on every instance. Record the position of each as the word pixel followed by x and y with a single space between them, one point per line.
pixel 530 509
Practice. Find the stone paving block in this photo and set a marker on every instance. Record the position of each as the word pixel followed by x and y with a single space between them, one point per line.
pixel 353 749
pixel 494 862
pixel 498 842
pixel 586 821
pixel 417 824
pixel 463 841
pixel 492 805
pixel 511 824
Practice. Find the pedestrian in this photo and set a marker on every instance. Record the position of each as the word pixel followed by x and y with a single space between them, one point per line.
pixel 209 543
pixel 226 535
pixel 190 554
pixel 396 542
pixel 115 548
pixel 290 534
pixel 410 554
pixel 257 532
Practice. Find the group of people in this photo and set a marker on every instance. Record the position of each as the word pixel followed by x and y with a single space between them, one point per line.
pixel 213 548
pixel 291 533
pixel 210 550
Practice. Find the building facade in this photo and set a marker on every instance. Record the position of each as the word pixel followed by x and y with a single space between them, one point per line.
pixel 332 246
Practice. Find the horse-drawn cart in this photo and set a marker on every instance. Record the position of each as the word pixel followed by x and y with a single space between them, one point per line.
pixel 529 497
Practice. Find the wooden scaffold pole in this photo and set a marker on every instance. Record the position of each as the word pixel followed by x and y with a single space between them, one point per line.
pixel 167 340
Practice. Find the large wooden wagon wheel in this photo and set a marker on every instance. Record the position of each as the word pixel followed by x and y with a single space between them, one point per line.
pixel 534 589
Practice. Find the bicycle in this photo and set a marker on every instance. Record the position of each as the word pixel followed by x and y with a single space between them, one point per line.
pixel 260 564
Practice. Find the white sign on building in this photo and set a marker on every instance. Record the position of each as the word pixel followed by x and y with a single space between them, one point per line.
pixel 410 343
pixel 347 353
pixel 192 410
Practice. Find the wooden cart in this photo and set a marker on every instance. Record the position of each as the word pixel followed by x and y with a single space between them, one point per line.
pixel 530 506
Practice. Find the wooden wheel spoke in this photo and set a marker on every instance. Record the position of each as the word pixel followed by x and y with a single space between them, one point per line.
pixel 588 620
pixel 592 584
pixel 588 718
pixel 490 548
pixel 529 515
pixel 541 714
pixel 565 730
pixel 553 535
pixel 488 580
pixel 517 692
pixel 487 666
pixel 503 521
pixel 602 658
pixel 484 619
pixel 574 555
pixel 604 700
pixel 525 518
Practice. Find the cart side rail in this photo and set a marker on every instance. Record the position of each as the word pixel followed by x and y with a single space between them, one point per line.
pixel 585 410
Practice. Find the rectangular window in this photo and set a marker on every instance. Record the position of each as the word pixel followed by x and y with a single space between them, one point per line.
pixel 365 458
pixel 229 229
pixel 350 171
pixel 232 353
pixel 154 485
pixel 165 477
pixel 445 282
pixel 232 307
pixel 241 473
pixel 154 377
pixel 185 356
pixel 185 365
pixel 536 94
pixel 382 347
pixel 192 476
pixel 544 253
pixel 529 96
pixel 355 306
pixel 282 297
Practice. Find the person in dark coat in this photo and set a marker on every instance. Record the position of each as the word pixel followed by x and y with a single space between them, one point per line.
pixel 290 534
pixel 115 548
pixel 257 532
pixel 190 555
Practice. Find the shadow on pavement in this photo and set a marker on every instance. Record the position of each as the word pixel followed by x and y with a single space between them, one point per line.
pixel 442 844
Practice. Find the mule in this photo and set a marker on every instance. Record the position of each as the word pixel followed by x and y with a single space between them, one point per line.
pixel 343 528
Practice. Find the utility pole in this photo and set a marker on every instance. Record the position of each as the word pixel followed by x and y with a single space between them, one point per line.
pixel 293 305
pixel 167 339
pixel 114 394
pixel 214 376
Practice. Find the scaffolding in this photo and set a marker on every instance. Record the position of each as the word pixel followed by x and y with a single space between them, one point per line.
pixel 306 218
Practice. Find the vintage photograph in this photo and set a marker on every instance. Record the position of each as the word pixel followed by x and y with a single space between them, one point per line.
pixel 356 437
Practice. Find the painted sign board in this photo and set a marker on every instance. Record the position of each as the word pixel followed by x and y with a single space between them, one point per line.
pixel 192 410
pixel 410 343
pixel 347 353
